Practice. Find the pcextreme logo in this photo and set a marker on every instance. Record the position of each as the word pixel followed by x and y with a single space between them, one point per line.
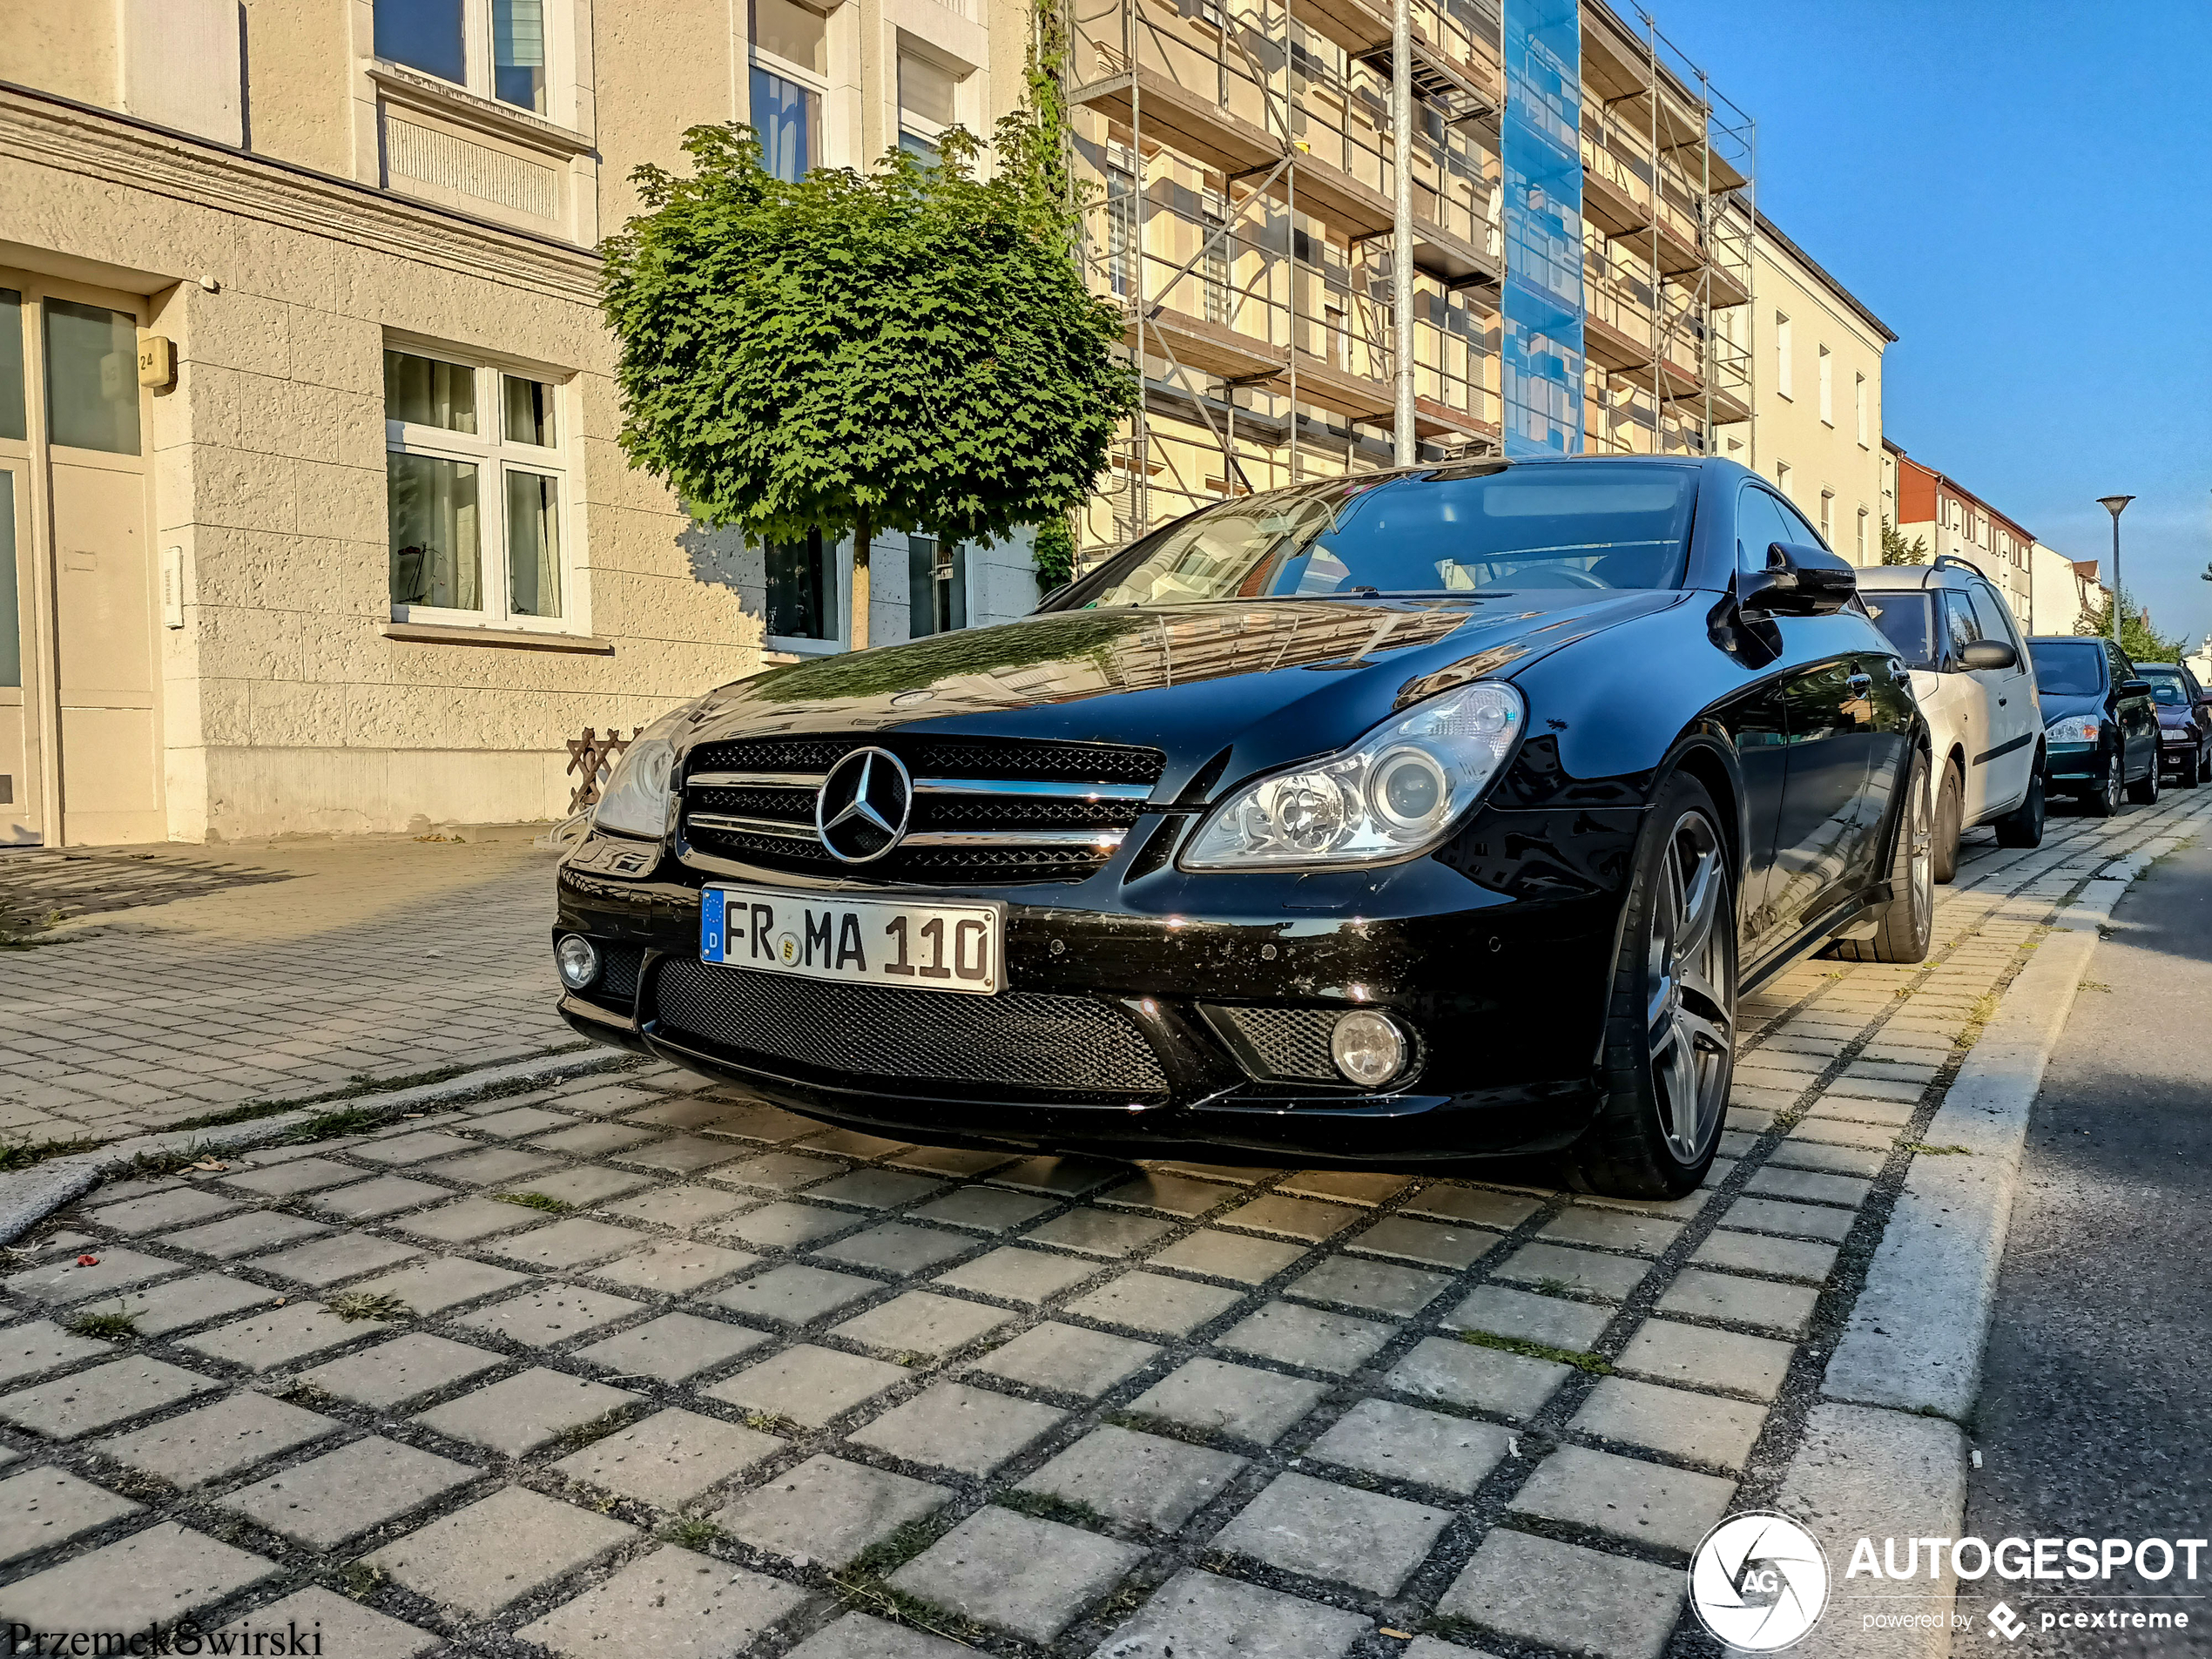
pixel 1758 1581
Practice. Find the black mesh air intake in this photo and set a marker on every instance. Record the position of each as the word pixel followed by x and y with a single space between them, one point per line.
pixel 1076 1047
pixel 1281 1042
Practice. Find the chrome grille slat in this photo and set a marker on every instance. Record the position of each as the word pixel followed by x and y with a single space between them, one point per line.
pixel 988 809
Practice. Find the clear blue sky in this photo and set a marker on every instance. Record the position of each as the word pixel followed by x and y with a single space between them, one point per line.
pixel 2020 191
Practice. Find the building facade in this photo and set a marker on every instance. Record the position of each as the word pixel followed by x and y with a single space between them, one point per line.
pixel 1816 424
pixel 1950 518
pixel 312 512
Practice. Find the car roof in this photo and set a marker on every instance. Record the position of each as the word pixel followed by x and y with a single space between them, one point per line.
pixel 1905 577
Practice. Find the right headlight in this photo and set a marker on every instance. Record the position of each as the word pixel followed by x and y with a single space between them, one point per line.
pixel 1396 792
pixel 2073 728
pixel 637 800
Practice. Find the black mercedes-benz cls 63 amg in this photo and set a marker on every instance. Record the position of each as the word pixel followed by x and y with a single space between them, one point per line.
pixel 1431 814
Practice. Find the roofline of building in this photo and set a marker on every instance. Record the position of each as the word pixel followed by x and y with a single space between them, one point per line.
pixel 1957 488
pixel 1826 279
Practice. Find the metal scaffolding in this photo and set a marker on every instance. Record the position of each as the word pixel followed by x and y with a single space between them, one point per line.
pixel 1240 163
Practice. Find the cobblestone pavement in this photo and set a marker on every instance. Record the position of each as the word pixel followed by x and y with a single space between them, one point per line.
pixel 728 1383
pixel 205 979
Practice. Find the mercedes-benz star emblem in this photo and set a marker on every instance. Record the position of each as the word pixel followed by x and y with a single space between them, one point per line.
pixel 864 804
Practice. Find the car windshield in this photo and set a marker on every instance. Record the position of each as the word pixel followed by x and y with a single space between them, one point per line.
pixel 1488 529
pixel 1908 620
pixel 2166 685
pixel 2068 667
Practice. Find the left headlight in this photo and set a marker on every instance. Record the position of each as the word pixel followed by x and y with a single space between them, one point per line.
pixel 1393 794
pixel 636 800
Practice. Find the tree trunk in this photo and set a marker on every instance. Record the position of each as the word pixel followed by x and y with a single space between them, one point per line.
pixel 863 534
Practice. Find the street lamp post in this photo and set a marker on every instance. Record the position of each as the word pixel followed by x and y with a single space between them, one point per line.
pixel 2115 505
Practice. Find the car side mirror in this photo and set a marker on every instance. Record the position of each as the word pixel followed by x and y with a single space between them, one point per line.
pixel 2135 688
pixel 1989 653
pixel 1799 580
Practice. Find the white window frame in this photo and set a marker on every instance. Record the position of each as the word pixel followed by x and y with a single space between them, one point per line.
pixel 493 457
pixel 839 555
pixel 1784 383
pixel 1828 516
pixel 1782 479
pixel 478 49
pixel 1859 406
pixel 1862 536
pixel 1827 372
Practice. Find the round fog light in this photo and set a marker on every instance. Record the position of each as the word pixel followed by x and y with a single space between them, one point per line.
pixel 578 960
pixel 1368 1048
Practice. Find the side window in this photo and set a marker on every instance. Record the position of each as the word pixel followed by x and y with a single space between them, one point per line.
pixel 2121 668
pixel 1996 621
pixel 1960 627
pixel 1800 528
pixel 1759 524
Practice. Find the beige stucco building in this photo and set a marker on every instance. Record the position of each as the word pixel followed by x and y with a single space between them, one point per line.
pixel 366 554
pixel 1816 424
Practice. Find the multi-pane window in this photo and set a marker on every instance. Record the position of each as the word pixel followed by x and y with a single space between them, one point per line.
pixel 1828 516
pixel 1781 356
pixel 476 493
pixel 1781 476
pixel 496 51
pixel 1862 536
pixel 1827 388
pixel 1219 260
pixel 1858 405
pixel 802 590
pixel 927 93
pixel 790 75
pixel 1123 206
pixel 936 586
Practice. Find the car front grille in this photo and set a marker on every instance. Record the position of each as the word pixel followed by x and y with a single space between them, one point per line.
pixel 984 809
pixel 1076 1048
pixel 1291 1043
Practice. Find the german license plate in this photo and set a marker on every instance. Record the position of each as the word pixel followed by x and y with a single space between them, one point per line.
pixel 856 941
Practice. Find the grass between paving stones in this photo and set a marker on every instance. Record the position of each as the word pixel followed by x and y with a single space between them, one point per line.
pixel 772 1423
pixel 863 1583
pixel 116 1326
pixel 574 1439
pixel 15 1155
pixel 360 1580
pixel 353 1306
pixel 1592 1363
pixel 312 1396
pixel 689 1532
pixel 1166 1427
pixel 1921 1149
pixel 1046 1506
pixel 544 1201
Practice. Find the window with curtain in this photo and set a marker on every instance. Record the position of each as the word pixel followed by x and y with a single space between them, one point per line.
pixel 802 590
pixel 518 52
pixel 475 486
pixel 927 93
pixel 936 586
pixel 788 118
pixel 92 378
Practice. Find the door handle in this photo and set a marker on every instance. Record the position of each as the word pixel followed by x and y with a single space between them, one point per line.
pixel 1860 682
pixel 2000 702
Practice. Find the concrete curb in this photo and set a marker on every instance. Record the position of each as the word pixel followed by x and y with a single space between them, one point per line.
pixel 30 1196
pixel 1885 1452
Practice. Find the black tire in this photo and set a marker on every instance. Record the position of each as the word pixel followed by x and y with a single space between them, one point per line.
pixel 2023 825
pixel 1906 923
pixel 2104 801
pixel 2192 772
pixel 1950 823
pixel 2144 791
pixel 1670 1021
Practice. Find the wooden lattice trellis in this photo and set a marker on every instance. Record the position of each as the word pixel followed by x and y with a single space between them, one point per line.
pixel 595 755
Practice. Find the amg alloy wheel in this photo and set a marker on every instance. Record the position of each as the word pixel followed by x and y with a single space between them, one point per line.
pixel 1905 924
pixel 1671 1036
pixel 2104 800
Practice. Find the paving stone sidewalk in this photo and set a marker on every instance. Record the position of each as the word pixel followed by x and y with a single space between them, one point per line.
pixel 186 981
pixel 727 1383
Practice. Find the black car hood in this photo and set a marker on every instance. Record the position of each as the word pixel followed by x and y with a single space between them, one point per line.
pixel 1276 680
pixel 2057 706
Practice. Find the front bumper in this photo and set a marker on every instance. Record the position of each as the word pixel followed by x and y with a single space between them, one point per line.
pixel 2077 765
pixel 1505 996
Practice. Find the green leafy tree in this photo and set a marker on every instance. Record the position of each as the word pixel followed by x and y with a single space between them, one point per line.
pixel 1055 555
pixel 2143 643
pixel 913 349
pixel 1895 549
